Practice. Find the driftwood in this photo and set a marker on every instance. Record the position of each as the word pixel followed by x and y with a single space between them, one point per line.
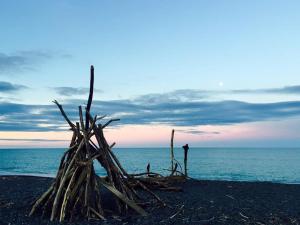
pixel 75 191
pixel 174 161
pixel 172 150
pixel 186 149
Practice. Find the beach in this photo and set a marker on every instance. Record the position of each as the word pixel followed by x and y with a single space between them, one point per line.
pixel 150 112
pixel 200 202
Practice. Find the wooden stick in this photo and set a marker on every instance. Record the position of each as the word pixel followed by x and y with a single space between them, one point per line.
pixel 62 183
pixel 172 150
pixel 108 122
pixel 180 209
pixel 81 118
pixel 90 99
pixel 185 161
pixel 66 197
pixel 40 200
pixel 146 173
pixel 97 214
pixel 129 202
pixel 64 114
pixel 117 162
pixel 77 202
pixel 112 145
pixel 151 192
pixel 87 146
pixel 97 189
pixel 78 183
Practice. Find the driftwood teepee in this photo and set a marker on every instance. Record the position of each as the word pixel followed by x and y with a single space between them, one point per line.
pixel 75 191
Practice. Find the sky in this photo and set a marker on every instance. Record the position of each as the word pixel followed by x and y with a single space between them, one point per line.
pixel 221 73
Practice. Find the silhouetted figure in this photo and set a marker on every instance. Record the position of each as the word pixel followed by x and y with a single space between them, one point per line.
pixel 148 169
pixel 186 149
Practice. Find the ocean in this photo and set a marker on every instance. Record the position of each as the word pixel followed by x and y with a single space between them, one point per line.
pixel 280 165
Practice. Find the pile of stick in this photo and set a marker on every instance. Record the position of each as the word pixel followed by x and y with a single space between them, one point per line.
pixel 75 191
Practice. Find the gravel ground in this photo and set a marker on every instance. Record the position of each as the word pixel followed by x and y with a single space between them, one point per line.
pixel 200 202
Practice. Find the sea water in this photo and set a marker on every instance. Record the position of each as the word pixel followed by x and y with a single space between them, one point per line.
pixel 237 164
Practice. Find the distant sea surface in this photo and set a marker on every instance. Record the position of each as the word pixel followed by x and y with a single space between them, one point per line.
pixel 237 164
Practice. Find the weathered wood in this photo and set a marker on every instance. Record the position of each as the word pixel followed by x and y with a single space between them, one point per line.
pixel 186 149
pixel 97 213
pixel 75 191
pixel 129 202
pixel 64 114
pixel 109 122
pixel 117 162
pixel 87 148
pixel 90 99
pixel 77 202
pixel 151 192
pixel 66 196
pixel 40 200
pixel 62 183
pixel 185 163
pixel 98 195
pixel 172 150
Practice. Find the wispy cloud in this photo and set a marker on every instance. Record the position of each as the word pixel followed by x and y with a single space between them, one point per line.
pixel 21 61
pixel 177 108
pixel 195 95
pixel 197 132
pixel 31 139
pixel 9 87
pixel 202 113
pixel 18 117
pixel 295 89
pixel 198 94
pixel 73 91
pixel 174 96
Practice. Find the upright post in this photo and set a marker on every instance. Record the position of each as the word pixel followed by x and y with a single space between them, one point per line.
pixel 186 149
pixel 172 150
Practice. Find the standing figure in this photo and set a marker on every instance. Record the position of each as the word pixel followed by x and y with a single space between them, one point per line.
pixel 148 169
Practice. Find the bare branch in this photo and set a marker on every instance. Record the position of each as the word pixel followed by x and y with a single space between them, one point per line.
pixel 64 114
pixel 108 122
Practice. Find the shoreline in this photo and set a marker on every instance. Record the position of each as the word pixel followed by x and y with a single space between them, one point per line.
pixel 200 202
pixel 37 175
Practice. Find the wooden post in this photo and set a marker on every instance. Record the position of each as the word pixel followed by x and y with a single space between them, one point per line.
pixel 186 149
pixel 172 150
pixel 185 162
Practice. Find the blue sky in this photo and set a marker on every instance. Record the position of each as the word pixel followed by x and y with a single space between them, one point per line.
pixel 171 63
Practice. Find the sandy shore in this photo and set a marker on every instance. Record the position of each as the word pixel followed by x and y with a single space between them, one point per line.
pixel 201 202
